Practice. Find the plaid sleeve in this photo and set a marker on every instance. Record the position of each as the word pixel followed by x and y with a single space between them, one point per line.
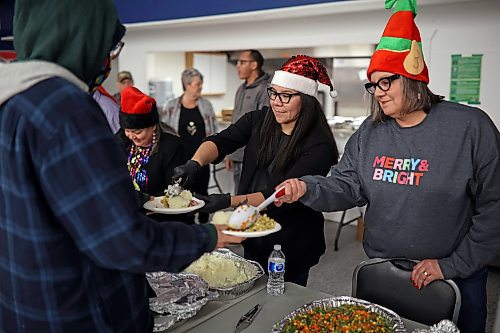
pixel 88 188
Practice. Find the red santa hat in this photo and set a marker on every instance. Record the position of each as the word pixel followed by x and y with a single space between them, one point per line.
pixel 138 110
pixel 302 73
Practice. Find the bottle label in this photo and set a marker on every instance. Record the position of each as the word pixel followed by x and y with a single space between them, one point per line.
pixel 275 267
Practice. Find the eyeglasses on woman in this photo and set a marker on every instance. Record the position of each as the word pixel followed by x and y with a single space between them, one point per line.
pixel 383 84
pixel 283 97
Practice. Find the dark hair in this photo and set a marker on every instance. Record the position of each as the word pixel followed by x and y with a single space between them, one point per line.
pixel 310 118
pixel 257 57
pixel 416 96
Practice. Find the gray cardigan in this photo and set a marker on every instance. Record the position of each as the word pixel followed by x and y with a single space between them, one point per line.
pixel 171 113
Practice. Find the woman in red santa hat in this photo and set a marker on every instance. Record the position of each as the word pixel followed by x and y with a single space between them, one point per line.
pixel 291 139
pixel 152 153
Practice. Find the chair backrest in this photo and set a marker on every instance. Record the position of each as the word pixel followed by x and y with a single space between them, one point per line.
pixel 387 282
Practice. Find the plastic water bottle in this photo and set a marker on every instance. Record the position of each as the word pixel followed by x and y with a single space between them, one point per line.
pixel 276 270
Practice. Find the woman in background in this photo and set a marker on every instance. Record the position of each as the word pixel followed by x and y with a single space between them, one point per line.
pixel 192 117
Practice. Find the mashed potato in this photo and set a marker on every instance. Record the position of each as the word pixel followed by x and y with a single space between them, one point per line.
pixel 182 200
pixel 221 217
pixel 221 272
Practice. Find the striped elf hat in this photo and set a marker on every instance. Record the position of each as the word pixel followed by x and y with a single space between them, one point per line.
pixel 400 48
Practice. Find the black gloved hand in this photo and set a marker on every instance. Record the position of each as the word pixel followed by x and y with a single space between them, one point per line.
pixel 187 173
pixel 214 202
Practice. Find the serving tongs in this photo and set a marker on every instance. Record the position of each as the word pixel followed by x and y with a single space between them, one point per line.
pixel 247 318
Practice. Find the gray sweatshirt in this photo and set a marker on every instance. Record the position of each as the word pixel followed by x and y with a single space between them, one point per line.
pixel 249 97
pixel 432 190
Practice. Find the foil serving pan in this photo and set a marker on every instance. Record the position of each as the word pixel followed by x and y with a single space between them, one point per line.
pixel 394 319
pixel 178 297
pixel 229 293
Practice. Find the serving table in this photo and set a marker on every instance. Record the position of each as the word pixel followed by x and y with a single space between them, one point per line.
pixel 222 317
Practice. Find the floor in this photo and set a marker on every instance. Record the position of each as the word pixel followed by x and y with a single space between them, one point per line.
pixel 333 274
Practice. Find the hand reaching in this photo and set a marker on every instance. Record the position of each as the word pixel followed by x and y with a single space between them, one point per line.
pixel 214 202
pixel 186 173
pixel 294 190
pixel 223 239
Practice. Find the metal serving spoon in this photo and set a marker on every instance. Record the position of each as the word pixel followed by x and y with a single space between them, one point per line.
pixel 244 216
pixel 175 189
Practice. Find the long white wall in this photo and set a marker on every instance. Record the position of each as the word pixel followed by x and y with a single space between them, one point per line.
pixel 447 27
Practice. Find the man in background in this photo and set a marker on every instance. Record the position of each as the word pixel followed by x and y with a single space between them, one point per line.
pixel 123 80
pixel 250 96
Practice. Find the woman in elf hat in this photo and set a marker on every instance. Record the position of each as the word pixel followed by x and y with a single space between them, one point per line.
pixel 152 153
pixel 428 171
pixel 291 139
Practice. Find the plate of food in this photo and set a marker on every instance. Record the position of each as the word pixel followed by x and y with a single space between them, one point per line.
pixel 262 227
pixel 174 204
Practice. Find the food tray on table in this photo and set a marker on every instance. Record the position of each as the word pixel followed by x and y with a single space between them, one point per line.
pixel 395 321
pixel 178 297
pixel 237 290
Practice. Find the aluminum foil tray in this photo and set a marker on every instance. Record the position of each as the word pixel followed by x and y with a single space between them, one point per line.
pixel 178 297
pixel 242 288
pixel 395 320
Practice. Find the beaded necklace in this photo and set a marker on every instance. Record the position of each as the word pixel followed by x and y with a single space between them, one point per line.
pixel 138 158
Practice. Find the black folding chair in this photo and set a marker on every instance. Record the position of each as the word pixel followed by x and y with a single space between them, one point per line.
pixel 386 282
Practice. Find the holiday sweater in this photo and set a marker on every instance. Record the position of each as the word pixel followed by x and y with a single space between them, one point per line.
pixel 432 190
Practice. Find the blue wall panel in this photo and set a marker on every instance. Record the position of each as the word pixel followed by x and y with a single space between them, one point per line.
pixel 134 11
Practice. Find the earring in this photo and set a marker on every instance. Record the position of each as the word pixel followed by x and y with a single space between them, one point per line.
pixel 419 96
pixel 154 138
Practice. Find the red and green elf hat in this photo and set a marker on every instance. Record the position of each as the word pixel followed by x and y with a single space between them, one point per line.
pixel 400 48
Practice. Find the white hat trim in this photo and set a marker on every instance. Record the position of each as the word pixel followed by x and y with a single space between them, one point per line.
pixel 296 82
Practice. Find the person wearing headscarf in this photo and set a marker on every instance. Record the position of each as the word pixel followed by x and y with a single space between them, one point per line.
pixel 74 244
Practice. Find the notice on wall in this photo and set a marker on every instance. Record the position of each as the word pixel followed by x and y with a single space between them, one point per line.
pixel 465 78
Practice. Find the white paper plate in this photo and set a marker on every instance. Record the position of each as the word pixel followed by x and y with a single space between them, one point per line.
pixel 251 234
pixel 157 207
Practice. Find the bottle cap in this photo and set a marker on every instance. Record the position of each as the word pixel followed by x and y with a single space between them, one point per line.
pixel 277 247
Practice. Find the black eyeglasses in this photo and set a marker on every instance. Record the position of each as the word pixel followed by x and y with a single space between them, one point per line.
pixel 283 97
pixel 383 84
pixel 243 61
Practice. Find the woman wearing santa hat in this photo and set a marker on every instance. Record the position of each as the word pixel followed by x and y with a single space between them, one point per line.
pixel 427 169
pixel 291 139
pixel 152 153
